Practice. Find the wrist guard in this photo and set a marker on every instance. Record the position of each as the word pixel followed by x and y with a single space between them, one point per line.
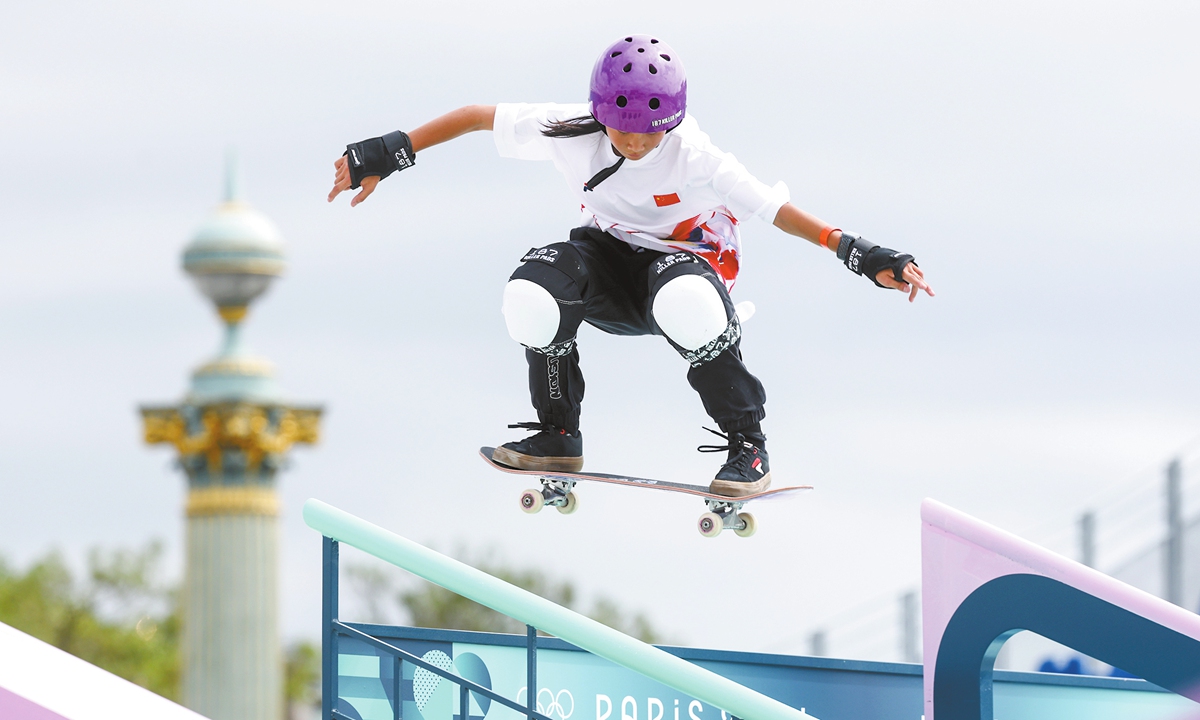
pixel 380 156
pixel 865 258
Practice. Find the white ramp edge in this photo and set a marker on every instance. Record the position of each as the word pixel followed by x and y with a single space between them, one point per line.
pixel 40 682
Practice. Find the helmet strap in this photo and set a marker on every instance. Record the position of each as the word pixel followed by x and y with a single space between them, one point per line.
pixel 603 175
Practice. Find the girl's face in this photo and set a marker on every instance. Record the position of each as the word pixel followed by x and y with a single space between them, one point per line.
pixel 634 146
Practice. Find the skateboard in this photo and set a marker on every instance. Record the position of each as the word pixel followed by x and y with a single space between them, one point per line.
pixel 557 489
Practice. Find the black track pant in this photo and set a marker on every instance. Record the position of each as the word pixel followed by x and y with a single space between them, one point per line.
pixel 605 282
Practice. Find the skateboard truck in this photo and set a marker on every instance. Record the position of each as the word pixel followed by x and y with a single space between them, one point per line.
pixel 556 491
pixel 557 488
pixel 721 515
pixel 726 514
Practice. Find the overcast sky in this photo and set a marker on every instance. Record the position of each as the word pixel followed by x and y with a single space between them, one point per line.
pixel 1039 159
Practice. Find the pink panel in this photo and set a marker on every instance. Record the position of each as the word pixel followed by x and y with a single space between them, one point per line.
pixel 15 707
pixel 959 553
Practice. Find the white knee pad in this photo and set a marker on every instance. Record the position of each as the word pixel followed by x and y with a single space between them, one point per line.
pixel 530 312
pixel 689 311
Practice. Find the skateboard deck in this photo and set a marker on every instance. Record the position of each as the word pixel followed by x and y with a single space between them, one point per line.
pixel 724 511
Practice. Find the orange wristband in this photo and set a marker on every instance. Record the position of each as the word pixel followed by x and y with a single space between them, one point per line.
pixel 825 233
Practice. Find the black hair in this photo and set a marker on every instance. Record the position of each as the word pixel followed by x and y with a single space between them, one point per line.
pixel 573 127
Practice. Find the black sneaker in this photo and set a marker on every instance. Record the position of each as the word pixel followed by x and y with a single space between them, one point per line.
pixel 746 471
pixel 552 449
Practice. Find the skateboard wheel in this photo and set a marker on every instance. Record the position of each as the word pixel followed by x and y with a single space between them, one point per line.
pixel 710 524
pixel 570 504
pixel 532 501
pixel 751 525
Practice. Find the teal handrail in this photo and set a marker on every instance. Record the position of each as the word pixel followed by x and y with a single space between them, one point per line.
pixel 581 631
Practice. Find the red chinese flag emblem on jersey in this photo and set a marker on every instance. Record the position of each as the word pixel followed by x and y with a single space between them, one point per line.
pixel 665 200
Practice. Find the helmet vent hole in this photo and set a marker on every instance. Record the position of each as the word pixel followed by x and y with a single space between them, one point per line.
pixel 628 67
pixel 653 41
pixel 653 103
pixel 622 101
pixel 653 70
pixel 666 57
pixel 641 49
pixel 628 39
pixel 615 54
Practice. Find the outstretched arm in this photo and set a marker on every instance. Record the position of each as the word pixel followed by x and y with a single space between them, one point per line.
pixel 452 124
pixel 794 221
pixel 439 130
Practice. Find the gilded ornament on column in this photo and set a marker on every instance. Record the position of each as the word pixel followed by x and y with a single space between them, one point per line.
pixel 258 431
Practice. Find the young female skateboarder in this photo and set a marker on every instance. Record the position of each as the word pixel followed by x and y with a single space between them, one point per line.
pixel 656 251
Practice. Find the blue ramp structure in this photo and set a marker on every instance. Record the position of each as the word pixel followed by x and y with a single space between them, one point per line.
pixel 338 526
pixel 981 585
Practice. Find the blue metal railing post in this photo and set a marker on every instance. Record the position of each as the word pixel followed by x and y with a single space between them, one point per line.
pixel 398 671
pixel 329 614
pixel 531 669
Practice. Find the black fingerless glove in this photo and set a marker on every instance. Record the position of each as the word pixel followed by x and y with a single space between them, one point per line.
pixel 380 156
pixel 865 258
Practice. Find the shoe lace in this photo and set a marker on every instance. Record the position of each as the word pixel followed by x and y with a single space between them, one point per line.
pixel 735 443
pixel 716 448
pixel 539 427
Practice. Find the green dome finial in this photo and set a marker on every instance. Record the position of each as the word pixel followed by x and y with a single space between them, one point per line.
pixel 233 257
pixel 233 178
pixel 236 253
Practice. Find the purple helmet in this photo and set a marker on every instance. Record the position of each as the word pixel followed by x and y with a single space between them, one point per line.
pixel 639 86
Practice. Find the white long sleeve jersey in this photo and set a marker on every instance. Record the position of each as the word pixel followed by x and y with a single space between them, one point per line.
pixel 686 194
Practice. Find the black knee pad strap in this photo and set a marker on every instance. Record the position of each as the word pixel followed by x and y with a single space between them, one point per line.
pixel 556 349
pixel 669 267
pixel 727 339
pixel 562 257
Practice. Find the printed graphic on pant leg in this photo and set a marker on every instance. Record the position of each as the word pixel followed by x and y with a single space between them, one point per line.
pixel 552 378
pixel 556 388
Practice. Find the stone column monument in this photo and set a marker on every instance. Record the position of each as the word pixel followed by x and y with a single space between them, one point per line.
pixel 232 432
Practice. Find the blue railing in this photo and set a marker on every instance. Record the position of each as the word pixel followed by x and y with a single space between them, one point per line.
pixel 335 629
pixel 583 632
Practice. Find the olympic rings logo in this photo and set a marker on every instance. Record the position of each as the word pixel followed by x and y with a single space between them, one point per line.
pixel 560 704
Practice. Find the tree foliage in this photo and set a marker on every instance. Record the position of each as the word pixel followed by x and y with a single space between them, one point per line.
pixel 122 618
pixel 302 676
pixel 119 618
